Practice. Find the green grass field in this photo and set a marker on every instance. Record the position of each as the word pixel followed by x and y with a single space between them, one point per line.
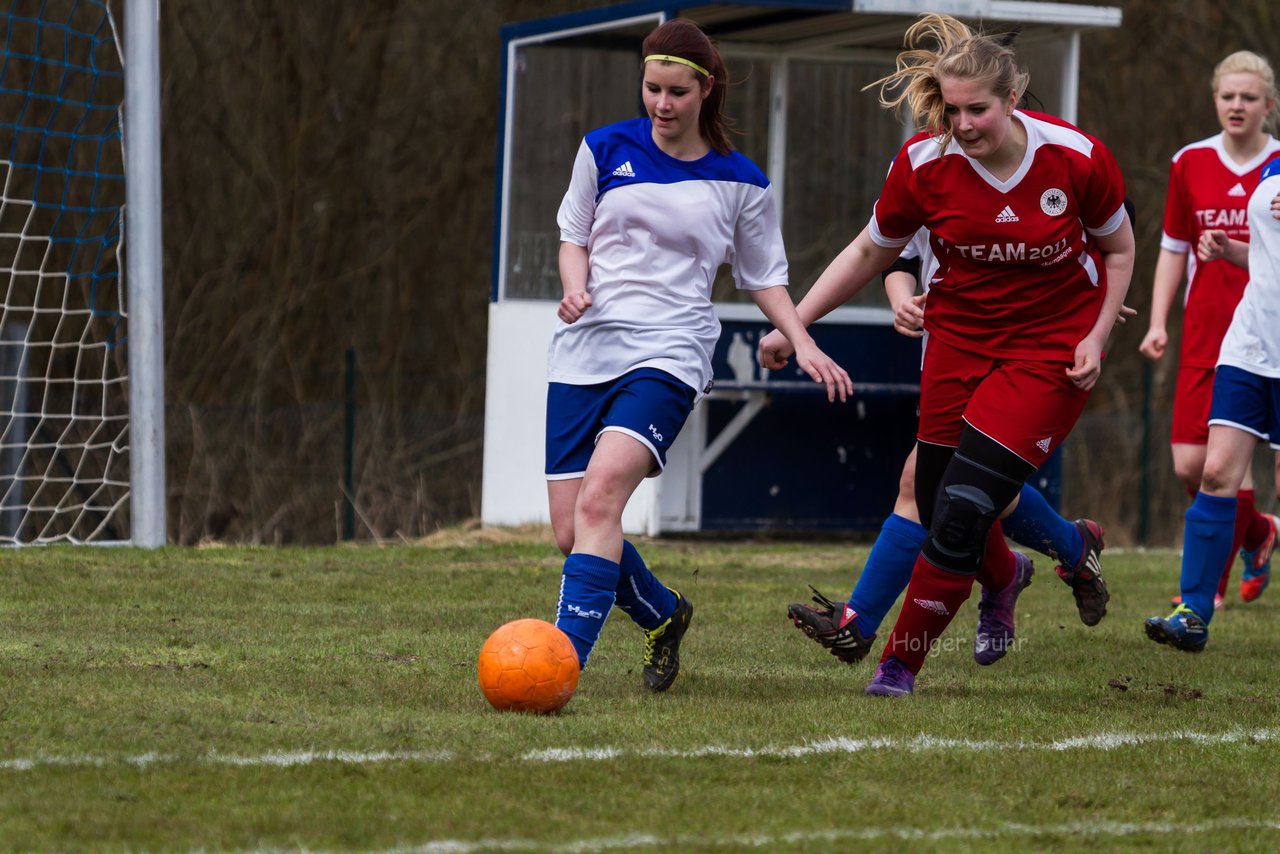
pixel 245 699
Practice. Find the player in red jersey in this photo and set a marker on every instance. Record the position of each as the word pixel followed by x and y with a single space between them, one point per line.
pixel 1027 223
pixel 1210 182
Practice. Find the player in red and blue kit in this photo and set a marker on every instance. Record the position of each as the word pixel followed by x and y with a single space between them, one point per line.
pixel 1210 182
pixel 848 630
pixel 1027 223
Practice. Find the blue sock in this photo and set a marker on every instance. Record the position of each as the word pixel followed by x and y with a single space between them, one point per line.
pixel 645 599
pixel 887 571
pixel 1206 545
pixel 586 596
pixel 1036 525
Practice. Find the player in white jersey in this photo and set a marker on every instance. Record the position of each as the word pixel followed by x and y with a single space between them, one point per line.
pixel 654 207
pixel 1210 182
pixel 1245 410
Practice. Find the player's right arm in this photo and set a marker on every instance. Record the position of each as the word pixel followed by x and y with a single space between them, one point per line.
pixel 576 216
pixel 1176 236
pixel 859 262
pixel 1170 268
pixel 574 264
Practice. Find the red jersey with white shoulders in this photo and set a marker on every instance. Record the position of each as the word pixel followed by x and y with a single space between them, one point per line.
pixel 1019 273
pixel 1209 190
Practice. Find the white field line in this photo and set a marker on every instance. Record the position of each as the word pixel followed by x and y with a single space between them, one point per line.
pixel 839 745
pixel 1075 830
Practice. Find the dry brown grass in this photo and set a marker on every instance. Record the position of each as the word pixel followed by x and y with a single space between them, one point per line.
pixel 473 533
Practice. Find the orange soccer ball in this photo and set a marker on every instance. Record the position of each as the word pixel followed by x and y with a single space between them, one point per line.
pixel 528 666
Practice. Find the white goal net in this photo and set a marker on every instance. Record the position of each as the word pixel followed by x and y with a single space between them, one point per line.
pixel 64 401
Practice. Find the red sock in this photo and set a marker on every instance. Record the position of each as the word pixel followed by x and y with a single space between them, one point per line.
pixel 933 598
pixel 1244 513
pixel 998 563
pixel 1225 578
pixel 1256 528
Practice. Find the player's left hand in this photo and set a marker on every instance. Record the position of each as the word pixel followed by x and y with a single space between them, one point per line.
pixel 1212 246
pixel 1088 365
pixel 1275 206
pixel 1124 314
pixel 822 369
pixel 908 319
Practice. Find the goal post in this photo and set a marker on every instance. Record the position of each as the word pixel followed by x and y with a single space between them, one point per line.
pixel 145 272
pixel 81 346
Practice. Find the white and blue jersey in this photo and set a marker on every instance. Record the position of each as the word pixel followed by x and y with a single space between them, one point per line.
pixel 656 230
pixel 1252 342
pixel 1246 388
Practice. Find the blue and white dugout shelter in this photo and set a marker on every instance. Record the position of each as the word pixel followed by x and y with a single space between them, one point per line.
pixel 764 450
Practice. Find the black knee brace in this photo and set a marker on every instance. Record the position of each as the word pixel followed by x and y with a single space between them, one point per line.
pixel 962 517
pixel 980 481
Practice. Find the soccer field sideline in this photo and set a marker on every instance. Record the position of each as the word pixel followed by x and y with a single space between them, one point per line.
pixel 838 745
pixel 1075 830
pixel 834 745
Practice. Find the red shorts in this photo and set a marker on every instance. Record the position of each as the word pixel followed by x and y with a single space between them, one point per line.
pixel 1028 407
pixel 1191 401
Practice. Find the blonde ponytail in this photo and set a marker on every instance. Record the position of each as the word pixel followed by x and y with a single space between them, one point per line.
pixel 957 51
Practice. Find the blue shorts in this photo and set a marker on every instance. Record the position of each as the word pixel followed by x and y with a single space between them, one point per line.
pixel 1248 402
pixel 647 404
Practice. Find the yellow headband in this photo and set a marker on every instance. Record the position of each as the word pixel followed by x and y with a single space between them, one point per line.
pixel 695 66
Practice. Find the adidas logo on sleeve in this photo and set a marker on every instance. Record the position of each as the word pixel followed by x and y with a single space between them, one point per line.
pixel 625 171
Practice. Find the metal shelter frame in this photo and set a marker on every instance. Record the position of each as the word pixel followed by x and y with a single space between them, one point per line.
pixel 781 32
